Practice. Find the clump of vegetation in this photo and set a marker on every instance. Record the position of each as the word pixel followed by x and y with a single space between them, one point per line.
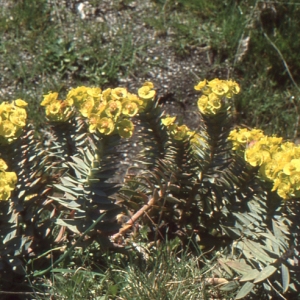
pixel 187 186
pixel 217 204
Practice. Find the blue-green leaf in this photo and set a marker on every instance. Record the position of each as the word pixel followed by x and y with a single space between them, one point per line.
pixel 245 290
pixel 285 277
pixel 265 273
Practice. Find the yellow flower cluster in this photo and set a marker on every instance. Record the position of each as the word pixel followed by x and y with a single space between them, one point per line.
pixel 278 161
pixel 107 111
pixel 8 181
pixel 177 132
pixel 56 110
pixel 214 92
pixel 12 119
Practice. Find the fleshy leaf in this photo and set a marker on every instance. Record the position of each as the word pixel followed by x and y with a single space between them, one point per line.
pixel 265 273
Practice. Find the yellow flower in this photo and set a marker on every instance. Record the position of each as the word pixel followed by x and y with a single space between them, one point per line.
pixel 168 121
pixel 11 179
pixel 99 107
pixel 18 117
pixel 113 109
pixel 146 92
pixel 219 87
pixel 180 133
pixel 296 152
pixel 8 181
pixel 202 103
pixel 129 108
pixel 282 157
pixel 106 95
pixel 125 128
pixel 287 146
pixel 149 84
pixel 242 138
pixel 270 170
pixel 58 111
pixel 78 95
pixel 53 108
pixel 274 140
pixel 3 165
pixel 94 119
pixel 134 98
pixel 5 109
pixel 5 192
pixel 295 179
pixel 283 186
pixel 105 126
pixel 48 99
pixel 200 85
pixel 20 103
pixel 284 190
pixel 118 93
pixel 7 129
pixel 256 134
pixel 69 102
pixel 256 156
pixel 234 88
pixel 214 102
pixel 86 107
pixel 291 167
pixel 94 92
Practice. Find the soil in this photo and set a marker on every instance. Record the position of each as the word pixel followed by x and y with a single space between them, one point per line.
pixel 173 75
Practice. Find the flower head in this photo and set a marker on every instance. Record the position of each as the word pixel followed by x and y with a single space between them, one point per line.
pixel 219 87
pixel 146 92
pixel 125 128
pixel 118 93
pixel 168 121
pixel 48 99
pixel 200 85
pixel 105 126
pixel 129 108
pixel 113 109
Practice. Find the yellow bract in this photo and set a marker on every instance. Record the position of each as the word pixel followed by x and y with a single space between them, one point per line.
pixel 200 85
pixel 218 87
pixel 20 103
pixel 129 108
pixel 18 117
pixel 95 93
pixel 119 93
pixel 51 97
pixel 105 126
pixel 87 106
pixel 113 109
pixel 168 121
pixel 3 165
pixel 125 128
pixel 146 92
pixel 7 129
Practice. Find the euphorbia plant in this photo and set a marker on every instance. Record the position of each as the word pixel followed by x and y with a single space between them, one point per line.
pixel 184 183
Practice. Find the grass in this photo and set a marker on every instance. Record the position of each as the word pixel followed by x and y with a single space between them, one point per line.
pixel 162 272
pixel 255 43
pixel 46 46
pixel 49 47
